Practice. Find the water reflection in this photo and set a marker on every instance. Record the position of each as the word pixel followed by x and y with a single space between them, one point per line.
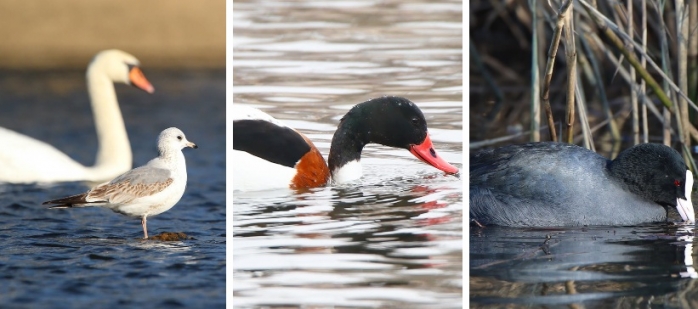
pixel 369 246
pixel 394 238
pixel 594 266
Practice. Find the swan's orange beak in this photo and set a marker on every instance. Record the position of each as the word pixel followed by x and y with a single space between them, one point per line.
pixel 425 152
pixel 138 79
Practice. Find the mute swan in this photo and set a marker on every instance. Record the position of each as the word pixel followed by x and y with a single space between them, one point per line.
pixel 24 159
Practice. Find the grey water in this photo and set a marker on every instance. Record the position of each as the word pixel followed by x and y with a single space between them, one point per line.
pixel 92 257
pixel 649 266
pixel 395 239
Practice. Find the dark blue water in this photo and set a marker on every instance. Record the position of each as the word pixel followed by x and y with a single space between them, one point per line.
pixel 92 257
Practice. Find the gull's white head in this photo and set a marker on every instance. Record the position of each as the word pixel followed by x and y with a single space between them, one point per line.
pixel 172 139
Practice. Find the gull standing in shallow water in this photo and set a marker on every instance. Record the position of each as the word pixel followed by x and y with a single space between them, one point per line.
pixel 144 191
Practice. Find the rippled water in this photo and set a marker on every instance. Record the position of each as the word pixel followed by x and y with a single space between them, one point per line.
pixel 594 267
pixel 395 240
pixel 92 257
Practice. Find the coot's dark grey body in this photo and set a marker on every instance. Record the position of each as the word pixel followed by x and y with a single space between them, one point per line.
pixel 555 184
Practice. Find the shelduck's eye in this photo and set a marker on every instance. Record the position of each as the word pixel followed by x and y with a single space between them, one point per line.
pixel 677 183
pixel 415 121
pixel 179 137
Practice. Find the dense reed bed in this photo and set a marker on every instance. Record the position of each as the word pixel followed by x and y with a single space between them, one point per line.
pixel 602 74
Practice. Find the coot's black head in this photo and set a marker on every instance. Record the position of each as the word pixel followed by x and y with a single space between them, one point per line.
pixel 658 173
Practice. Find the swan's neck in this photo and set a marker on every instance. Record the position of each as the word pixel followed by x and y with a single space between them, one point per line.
pixel 114 152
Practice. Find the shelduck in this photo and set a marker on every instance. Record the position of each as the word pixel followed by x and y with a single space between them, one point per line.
pixel 24 159
pixel 268 154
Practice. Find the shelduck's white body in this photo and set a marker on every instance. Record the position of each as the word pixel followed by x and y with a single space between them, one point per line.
pixel 253 171
pixel 259 174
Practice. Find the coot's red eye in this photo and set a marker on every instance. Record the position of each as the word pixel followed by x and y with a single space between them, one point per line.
pixel 677 183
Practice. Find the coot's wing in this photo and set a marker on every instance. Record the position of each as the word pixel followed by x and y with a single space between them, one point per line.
pixel 520 185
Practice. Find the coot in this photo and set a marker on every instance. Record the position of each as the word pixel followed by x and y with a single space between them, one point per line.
pixel 556 184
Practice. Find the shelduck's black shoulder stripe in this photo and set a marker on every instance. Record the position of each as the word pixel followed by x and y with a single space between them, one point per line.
pixel 280 145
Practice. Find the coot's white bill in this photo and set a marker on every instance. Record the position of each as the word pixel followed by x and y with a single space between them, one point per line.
pixel 685 207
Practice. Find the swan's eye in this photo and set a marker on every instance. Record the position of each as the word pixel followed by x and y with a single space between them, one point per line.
pixel 677 183
pixel 179 137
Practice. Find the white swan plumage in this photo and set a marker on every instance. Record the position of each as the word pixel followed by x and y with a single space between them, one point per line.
pixel 24 159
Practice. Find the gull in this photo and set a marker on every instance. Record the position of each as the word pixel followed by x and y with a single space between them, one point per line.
pixel 143 191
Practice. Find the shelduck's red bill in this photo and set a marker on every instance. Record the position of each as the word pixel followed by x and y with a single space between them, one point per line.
pixel 138 79
pixel 425 152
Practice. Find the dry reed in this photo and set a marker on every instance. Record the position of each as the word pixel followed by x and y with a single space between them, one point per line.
pixel 622 58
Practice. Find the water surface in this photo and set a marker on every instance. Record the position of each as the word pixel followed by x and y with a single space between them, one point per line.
pixel 647 266
pixel 395 238
pixel 92 257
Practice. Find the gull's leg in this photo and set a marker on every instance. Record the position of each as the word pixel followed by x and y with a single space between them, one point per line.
pixel 144 222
